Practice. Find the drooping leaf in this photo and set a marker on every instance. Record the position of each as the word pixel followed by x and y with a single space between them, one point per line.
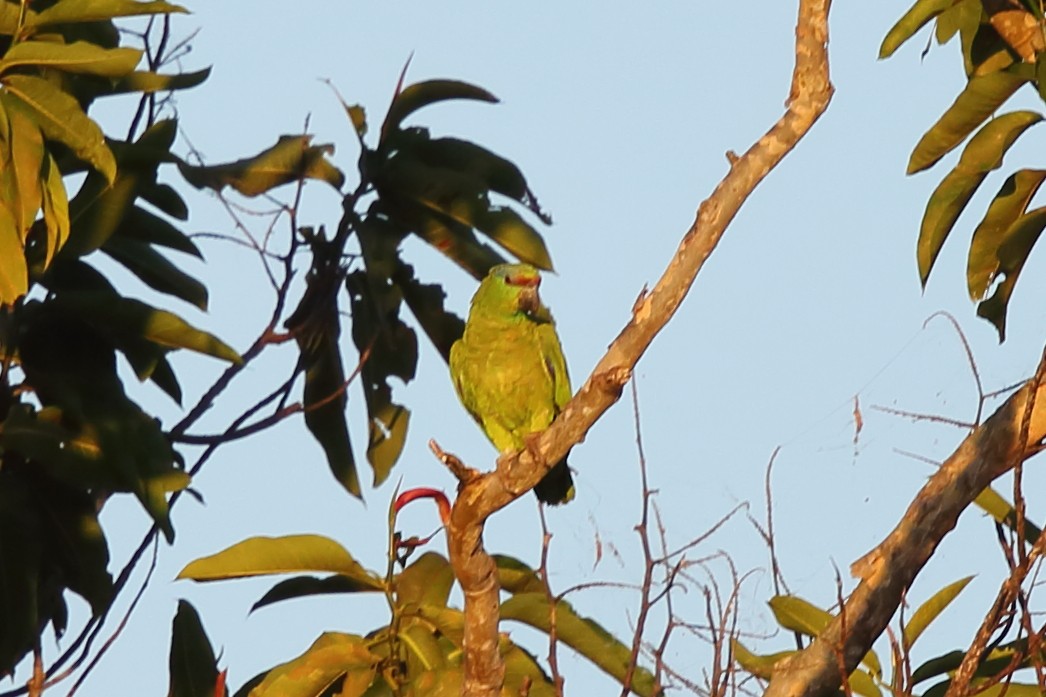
pixel 956 19
pixel 19 574
pixel 516 577
pixel 130 317
pixel 77 57
pixel 329 658
pixel 799 615
pixel 1010 203
pixel 316 326
pixel 422 94
pixel 142 225
pixel 69 11
pixel 581 634
pixel 1020 237
pixel 192 664
pixel 164 197
pixel 761 666
pixel 148 82
pixel 931 609
pixel 425 301
pixel 291 159
pixel 55 209
pixel 982 96
pixel 264 556
pixel 917 16
pixel 427 581
pixel 61 118
pixel 14 276
pixel 304 586
pixel 982 154
pixel 24 160
pixel 991 502
pixel 155 270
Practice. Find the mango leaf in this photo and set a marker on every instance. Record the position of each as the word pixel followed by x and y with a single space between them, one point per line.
pixel 316 326
pixel 77 57
pixel 55 209
pixel 917 16
pixel 452 239
pixel 1011 202
pixel 291 159
pixel 24 159
pixel 581 634
pixel 1002 511
pixel 61 119
pixel 147 82
pixel 427 581
pixel 425 301
pixel 97 210
pixel 422 94
pixel 265 556
pixel 495 172
pixel 155 270
pixel 14 276
pixel 761 666
pixel 982 154
pixel 164 197
pixel 70 11
pixel 982 96
pixel 931 609
pixel 799 615
pixel 1020 237
pixel 163 377
pixel 391 350
pixel 329 658
pixel 426 649
pixel 142 225
pixel 516 577
pixel 305 586
pixel 956 19
pixel 129 317
pixel 192 664
pixel 20 573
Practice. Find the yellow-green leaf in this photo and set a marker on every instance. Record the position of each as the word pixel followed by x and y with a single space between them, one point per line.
pixel 761 666
pixel 799 615
pixel 60 118
pixel 56 209
pixel 77 57
pixel 931 609
pixel 330 657
pixel 14 276
pixel 913 20
pixel 265 556
pixel 1020 237
pixel 70 11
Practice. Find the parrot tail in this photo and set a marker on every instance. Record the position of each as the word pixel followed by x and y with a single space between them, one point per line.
pixel 557 487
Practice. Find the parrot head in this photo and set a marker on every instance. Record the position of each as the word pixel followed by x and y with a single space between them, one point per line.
pixel 512 289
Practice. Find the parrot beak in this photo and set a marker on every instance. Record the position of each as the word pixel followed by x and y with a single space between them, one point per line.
pixel 530 304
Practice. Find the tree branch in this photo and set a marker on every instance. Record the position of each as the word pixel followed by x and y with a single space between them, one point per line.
pixel 518 473
pixel 887 571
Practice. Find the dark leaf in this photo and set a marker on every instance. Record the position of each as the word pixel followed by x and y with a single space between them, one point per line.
pixel 192 664
pixel 913 20
pixel 155 270
pixel 423 94
pixel 305 586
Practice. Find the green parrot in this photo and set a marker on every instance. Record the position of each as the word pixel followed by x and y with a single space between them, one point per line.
pixel 508 368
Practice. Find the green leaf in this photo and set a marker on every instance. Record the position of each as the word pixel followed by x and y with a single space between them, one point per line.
pixel 170 202
pixel 24 158
pixel 427 581
pixel 142 225
pixel 329 658
pixel 148 82
pixel 982 154
pixel 991 502
pixel 982 96
pixel 14 276
pixel 516 577
pixel 193 666
pixel 265 556
pixel 1020 237
pixel 425 301
pixel 155 270
pixel 129 317
pixel 304 586
pixel 20 573
pixel 1010 203
pixel 761 666
pixel 957 18
pixel 581 634
pixel 97 210
pixel 316 326
pixel 799 615
pixel 913 20
pixel 61 119
pixel 77 57
pixel 291 159
pixel 423 94
pixel 70 11
pixel 55 208
pixel 931 609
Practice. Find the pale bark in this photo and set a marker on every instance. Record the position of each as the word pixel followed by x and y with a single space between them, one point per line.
pixel 481 496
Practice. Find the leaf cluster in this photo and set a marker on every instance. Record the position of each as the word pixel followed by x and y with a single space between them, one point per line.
pixel 1003 50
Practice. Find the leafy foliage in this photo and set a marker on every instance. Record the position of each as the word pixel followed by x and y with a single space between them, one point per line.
pixel 1000 56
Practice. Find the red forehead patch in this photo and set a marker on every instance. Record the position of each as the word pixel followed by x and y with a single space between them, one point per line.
pixel 523 280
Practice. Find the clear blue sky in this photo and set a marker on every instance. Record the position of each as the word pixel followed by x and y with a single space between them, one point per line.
pixel 620 118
